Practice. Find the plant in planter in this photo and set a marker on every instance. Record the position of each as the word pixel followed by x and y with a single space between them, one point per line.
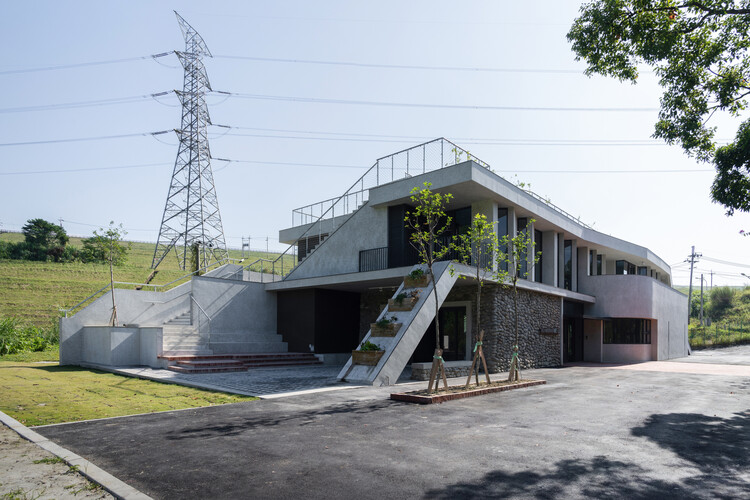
pixel 385 327
pixel 368 354
pixel 417 278
pixel 404 301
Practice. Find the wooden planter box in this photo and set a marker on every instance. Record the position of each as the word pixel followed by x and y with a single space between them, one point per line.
pixel 389 331
pixel 422 282
pixel 406 305
pixel 369 358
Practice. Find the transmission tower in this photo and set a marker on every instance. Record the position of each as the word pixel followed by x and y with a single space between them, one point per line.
pixel 191 224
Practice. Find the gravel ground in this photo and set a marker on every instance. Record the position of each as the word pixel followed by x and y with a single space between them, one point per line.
pixel 22 478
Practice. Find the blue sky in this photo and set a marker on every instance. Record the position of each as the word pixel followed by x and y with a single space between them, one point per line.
pixel 666 212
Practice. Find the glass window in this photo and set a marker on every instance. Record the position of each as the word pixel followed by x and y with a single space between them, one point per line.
pixel 598 264
pixel 568 264
pixel 642 271
pixel 502 230
pixel 627 331
pixel 624 267
pixel 523 254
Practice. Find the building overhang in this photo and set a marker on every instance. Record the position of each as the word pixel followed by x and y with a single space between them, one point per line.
pixel 392 278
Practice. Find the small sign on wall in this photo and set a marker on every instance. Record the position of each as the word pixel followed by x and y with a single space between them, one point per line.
pixel 548 331
pixel 446 339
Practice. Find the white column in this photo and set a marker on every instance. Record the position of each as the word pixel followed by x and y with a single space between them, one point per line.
pixel 549 258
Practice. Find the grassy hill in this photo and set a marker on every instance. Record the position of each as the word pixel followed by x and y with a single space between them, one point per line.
pixel 35 291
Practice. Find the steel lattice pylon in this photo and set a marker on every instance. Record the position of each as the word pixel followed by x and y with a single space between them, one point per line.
pixel 191 214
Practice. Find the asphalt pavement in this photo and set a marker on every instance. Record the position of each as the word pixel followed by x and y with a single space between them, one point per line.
pixel 589 432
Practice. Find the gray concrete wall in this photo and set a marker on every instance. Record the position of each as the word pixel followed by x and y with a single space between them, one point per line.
pixel 626 353
pixel 339 253
pixel 633 296
pixel 120 346
pixel 134 308
pixel 234 306
pixel 592 340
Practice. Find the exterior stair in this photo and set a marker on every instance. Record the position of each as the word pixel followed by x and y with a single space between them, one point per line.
pixel 179 336
pixel 399 349
pixel 219 363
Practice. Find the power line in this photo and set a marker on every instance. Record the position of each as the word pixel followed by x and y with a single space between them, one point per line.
pixel 405 66
pixel 81 139
pixel 317 100
pixel 727 262
pixel 85 104
pixel 71 170
pixel 84 64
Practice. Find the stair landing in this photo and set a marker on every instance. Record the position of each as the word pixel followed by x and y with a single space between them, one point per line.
pixel 220 363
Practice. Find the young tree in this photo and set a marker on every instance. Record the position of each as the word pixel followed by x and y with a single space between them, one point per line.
pixel 106 243
pixel 515 256
pixel 699 51
pixel 428 222
pixel 476 247
pixel 44 240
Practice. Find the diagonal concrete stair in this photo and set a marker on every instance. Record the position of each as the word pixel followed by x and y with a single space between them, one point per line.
pixel 399 349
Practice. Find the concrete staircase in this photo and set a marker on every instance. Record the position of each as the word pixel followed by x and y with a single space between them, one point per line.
pixel 222 363
pixel 180 337
pixel 244 342
pixel 399 349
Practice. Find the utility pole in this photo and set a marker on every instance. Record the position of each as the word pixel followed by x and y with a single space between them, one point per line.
pixel 245 245
pixel 692 258
pixel 701 299
pixel 712 278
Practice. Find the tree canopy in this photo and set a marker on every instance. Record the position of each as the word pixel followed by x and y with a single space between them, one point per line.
pixel 44 240
pixel 699 51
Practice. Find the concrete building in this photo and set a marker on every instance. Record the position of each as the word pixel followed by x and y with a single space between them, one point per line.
pixel 590 297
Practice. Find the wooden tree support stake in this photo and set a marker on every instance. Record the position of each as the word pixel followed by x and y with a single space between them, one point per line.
pixel 438 365
pixel 478 355
pixel 515 368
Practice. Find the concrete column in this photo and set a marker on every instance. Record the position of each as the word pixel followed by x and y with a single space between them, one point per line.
pixel 583 265
pixel 549 258
pixel 610 265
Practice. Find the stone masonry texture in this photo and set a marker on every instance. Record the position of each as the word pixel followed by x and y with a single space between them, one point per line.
pixel 535 311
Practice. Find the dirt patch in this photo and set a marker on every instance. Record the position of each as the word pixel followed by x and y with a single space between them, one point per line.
pixel 460 391
pixel 28 471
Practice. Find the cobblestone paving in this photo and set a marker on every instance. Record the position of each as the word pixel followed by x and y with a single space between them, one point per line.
pixel 257 381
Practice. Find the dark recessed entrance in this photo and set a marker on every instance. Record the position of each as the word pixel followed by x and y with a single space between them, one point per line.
pixel 452 330
pixel 572 332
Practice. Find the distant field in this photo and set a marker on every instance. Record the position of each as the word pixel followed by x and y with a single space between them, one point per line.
pixel 35 291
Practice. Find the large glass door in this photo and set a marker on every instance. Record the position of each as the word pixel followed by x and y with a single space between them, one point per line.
pixel 452 337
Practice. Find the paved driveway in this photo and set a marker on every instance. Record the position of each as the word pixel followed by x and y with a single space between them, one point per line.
pixel 590 432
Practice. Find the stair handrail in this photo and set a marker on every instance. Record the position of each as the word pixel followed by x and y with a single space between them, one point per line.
pixel 457 151
pixel 247 268
pixel 105 287
pixel 204 312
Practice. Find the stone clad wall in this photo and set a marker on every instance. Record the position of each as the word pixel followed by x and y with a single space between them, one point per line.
pixel 535 311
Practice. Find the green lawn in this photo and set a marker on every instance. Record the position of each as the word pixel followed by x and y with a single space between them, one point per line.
pixel 39 392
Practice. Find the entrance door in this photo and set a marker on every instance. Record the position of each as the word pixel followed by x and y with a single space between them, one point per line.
pixel 452 337
pixel 572 339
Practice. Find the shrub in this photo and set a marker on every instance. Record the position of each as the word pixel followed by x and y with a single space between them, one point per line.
pixel 15 337
pixel 720 301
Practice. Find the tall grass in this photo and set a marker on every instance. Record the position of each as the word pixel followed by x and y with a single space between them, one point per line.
pixel 16 337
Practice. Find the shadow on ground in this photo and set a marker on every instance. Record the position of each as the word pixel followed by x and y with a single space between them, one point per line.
pixel 296 417
pixel 716 447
